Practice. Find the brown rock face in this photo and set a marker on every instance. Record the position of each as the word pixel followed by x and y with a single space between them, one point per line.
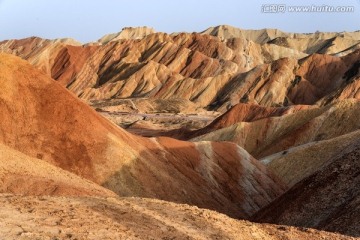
pixel 328 199
pixel 69 61
pixel 319 42
pixel 320 75
pixel 182 58
pixel 47 122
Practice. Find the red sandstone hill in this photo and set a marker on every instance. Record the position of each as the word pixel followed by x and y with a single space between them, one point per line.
pixel 243 112
pixel 271 135
pixel 211 71
pixel 44 121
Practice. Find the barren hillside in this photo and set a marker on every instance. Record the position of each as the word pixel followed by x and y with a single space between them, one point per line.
pixel 67 133
pixel 217 70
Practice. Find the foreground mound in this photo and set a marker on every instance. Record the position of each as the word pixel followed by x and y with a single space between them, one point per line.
pixel 130 218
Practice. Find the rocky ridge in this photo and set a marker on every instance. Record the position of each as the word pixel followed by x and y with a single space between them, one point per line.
pixel 203 68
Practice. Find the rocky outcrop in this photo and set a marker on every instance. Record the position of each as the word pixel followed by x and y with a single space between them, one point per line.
pixel 61 59
pixel 290 100
pixel 317 79
pixel 259 36
pixel 157 65
pixel 321 75
pixel 127 33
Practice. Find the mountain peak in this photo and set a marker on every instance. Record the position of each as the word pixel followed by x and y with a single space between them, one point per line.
pixel 128 33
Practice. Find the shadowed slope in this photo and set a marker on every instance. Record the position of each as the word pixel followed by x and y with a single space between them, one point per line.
pixel 21 174
pixel 329 199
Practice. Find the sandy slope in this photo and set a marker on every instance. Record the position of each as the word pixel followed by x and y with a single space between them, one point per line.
pixel 21 174
pixel 130 218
